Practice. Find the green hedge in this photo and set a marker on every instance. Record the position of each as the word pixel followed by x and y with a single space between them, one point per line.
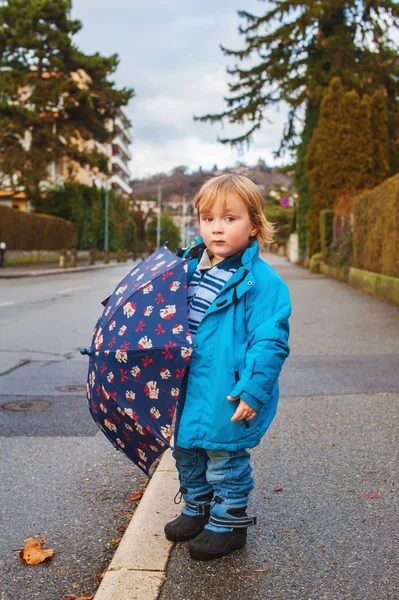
pixel 376 229
pixel 326 232
pixel 283 218
pixel 32 231
pixel 85 207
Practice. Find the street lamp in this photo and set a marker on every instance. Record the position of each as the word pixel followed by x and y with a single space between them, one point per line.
pixel 104 185
pixel 159 228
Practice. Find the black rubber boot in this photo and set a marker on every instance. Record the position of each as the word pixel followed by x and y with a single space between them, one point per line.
pixel 186 527
pixel 209 545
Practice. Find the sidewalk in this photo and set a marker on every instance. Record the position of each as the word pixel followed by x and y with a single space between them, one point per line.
pixel 325 474
pixel 41 270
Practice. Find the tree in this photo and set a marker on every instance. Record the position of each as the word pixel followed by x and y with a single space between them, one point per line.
pixel 170 232
pixel 380 141
pixel 301 46
pixel 342 155
pixel 301 178
pixel 54 100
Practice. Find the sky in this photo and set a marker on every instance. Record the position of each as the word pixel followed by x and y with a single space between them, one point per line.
pixel 169 53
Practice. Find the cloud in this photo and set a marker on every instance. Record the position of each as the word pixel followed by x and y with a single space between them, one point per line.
pixel 169 53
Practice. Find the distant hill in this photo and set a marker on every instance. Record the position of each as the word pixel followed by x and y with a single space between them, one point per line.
pixel 179 184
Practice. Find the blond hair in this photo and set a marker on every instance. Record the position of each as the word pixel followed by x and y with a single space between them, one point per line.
pixel 248 191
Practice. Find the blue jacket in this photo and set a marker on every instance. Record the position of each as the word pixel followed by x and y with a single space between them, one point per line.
pixel 239 350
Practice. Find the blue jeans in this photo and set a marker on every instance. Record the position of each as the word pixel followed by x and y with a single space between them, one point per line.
pixel 227 474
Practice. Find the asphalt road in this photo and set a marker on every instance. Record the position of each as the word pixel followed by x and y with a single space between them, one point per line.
pixel 326 473
pixel 60 477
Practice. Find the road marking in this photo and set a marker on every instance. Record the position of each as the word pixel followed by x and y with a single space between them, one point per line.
pixel 75 289
pixel 2 304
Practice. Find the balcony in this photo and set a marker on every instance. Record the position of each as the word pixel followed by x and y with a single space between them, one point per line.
pixel 117 181
pixel 122 127
pixel 116 160
pixel 118 141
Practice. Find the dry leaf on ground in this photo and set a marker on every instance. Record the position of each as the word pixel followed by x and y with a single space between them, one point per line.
pixel 277 490
pixel 116 541
pixel 136 496
pixel 90 597
pixel 33 553
pixel 372 495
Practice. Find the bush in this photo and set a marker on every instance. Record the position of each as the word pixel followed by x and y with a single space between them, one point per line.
pixel 85 206
pixel 326 232
pixel 282 217
pixel 341 252
pixel 376 229
pixel 27 231
pixel 314 263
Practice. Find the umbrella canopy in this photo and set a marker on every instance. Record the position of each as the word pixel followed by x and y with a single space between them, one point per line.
pixel 140 350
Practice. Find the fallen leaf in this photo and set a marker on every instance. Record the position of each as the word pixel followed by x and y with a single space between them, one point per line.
pixel 277 490
pixel 33 553
pixel 116 541
pixel 247 576
pixel 90 597
pixel 136 496
pixel 99 576
pixel 286 531
pixel 323 548
pixel 265 570
pixel 259 533
pixel 372 495
pixel 267 497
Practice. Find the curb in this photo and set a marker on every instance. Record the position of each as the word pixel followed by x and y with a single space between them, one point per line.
pixel 380 286
pixel 47 272
pixel 137 570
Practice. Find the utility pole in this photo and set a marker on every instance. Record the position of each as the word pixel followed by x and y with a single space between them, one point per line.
pixel 159 229
pixel 184 220
pixel 106 217
pixel 98 182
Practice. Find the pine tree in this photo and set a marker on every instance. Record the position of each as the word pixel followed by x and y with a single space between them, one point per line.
pixel 324 154
pixel 380 140
pixel 53 97
pixel 301 46
pixel 301 179
pixel 344 156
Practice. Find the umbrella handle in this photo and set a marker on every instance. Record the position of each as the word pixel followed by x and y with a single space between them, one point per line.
pixel 84 351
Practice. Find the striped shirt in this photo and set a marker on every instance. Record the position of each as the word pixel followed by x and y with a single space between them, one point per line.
pixel 205 285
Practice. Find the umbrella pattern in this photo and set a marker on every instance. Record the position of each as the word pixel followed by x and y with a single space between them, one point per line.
pixel 140 351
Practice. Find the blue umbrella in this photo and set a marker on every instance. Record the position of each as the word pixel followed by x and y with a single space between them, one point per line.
pixel 140 351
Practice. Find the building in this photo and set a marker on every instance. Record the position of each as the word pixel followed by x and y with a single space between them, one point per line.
pixel 15 200
pixel 120 155
pixel 63 169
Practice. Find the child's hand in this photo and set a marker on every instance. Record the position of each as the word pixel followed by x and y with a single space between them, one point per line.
pixel 244 411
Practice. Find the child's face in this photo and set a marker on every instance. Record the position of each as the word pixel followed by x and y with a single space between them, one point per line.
pixel 226 231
